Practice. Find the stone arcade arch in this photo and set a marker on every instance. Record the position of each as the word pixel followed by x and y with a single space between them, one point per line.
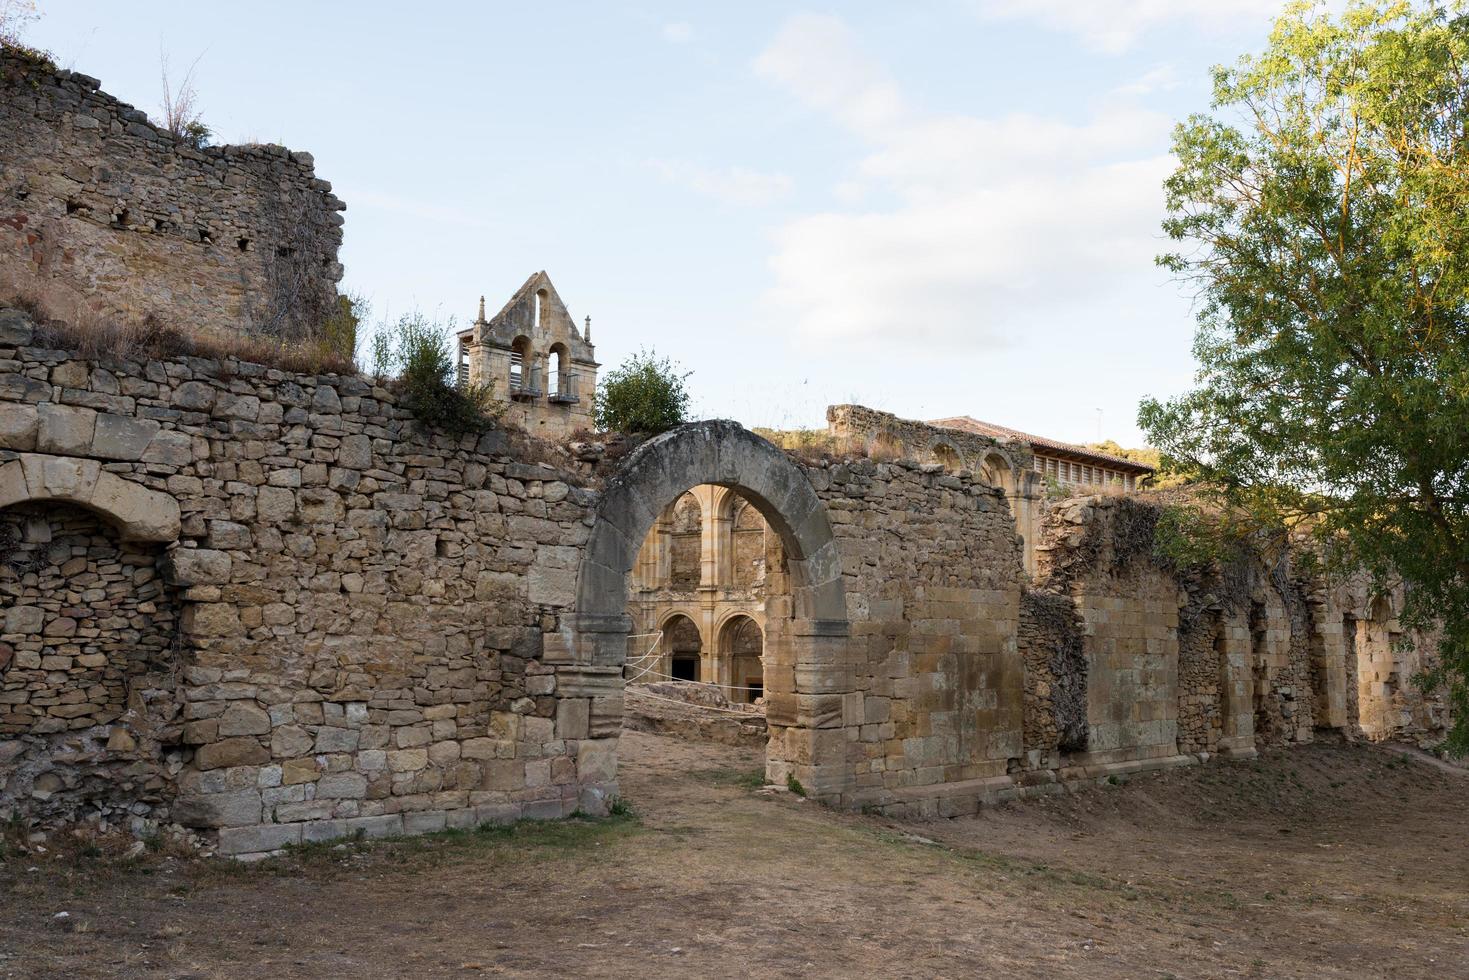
pixel 944 452
pixel 683 648
pixel 806 664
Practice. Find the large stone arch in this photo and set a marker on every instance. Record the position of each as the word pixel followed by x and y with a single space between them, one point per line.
pixel 139 514
pixel 808 672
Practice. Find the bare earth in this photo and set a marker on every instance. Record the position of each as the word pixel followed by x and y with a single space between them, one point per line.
pixel 1329 861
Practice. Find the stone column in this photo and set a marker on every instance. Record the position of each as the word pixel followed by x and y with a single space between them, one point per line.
pixel 1331 703
pixel 1236 693
pixel 663 548
pixel 588 662
pixel 1024 504
pixel 710 499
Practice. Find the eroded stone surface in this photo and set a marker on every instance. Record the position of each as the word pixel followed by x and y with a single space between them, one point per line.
pixel 108 213
pixel 372 627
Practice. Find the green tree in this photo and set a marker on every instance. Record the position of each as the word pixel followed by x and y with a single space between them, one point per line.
pixel 1322 213
pixel 645 394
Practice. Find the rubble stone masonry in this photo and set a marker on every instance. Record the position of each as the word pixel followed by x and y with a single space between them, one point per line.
pixel 334 623
pixel 272 608
pixel 103 214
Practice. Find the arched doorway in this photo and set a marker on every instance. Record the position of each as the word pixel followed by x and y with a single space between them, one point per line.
pixel 91 624
pixel 742 647
pixel 682 649
pixel 807 670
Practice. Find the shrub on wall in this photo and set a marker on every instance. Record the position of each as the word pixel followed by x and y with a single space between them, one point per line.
pixel 645 394
pixel 339 330
pixel 417 348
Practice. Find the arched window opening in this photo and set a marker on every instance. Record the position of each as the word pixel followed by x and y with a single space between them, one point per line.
pixel 560 382
pixel 686 544
pixel 996 472
pixel 948 457
pixel 522 368
pixel 540 307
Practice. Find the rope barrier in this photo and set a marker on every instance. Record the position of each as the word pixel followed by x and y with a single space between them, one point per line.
pixel 722 687
pixel 651 655
pixel 690 704
pixel 654 656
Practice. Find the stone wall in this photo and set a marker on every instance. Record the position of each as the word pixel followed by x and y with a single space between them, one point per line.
pixel 361 606
pixel 104 214
pixel 933 581
pixel 88 628
pixel 858 429
pixel 1182 662
pixel 1051 644
pixel 1008 466
pixel 272 608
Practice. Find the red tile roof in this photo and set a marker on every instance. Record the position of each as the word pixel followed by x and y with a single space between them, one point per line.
pixel 966 424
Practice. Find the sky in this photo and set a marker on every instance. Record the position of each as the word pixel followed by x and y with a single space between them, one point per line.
pixel 934 208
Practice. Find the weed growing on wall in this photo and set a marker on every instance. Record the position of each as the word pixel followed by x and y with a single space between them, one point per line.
pixel 15 16
pixel 339 330
pixel 180 107
pixel 417 350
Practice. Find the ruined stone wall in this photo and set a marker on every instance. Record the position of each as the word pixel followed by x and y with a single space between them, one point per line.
pixel 1281 640
pixel 1008 466
pixel 1051 644
pixel 858 429
pixel 1387 661
pixel 933 576
pixel 381 630
pixel 1211 659
pixel 83 611
pixel 103 214
pixel 1199 643
pixel 361 606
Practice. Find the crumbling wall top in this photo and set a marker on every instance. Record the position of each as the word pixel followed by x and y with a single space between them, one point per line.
pixel 104 214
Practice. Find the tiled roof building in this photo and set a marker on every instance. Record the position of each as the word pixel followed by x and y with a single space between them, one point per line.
pixel 1067 464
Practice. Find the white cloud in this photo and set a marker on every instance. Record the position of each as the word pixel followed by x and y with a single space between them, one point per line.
pixel 1113 26
pixel 730 185
pixel 1163 78
pixel 995 225
pixel 818 59
pixel 678 32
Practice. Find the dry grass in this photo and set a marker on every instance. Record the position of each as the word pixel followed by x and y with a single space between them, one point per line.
pixel 64 323
pixel 1321 861
pixel 810 445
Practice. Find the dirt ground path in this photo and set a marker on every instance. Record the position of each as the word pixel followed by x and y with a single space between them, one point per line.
pixel 1329 861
